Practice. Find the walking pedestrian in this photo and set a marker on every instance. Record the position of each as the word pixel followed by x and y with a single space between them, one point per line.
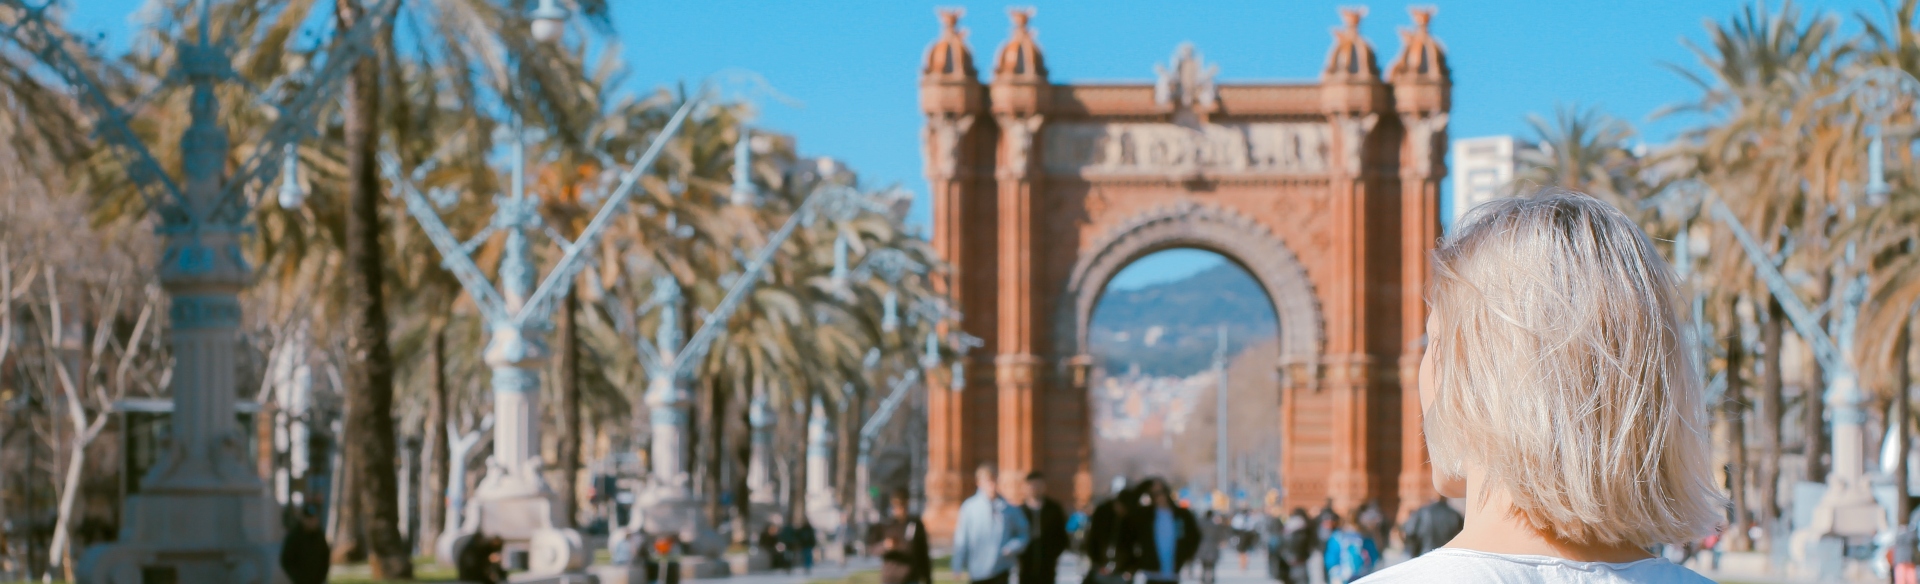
pixel 1213 533
pixel 1110 539
pixel 773 544
pixel 904 533
pixel 1165 536
pixel 1245 536
pixel 1325 523
pixel 304 554
pixel 1562 400
pixel 1351 552
pixel 1298 541
pixel 1430 527
pixel 990 534
pixel 1048 523
pixel 805 539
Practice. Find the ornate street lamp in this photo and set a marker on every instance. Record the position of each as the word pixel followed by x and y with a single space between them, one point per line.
pixel 202 514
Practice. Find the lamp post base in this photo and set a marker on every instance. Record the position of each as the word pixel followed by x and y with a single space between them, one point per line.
pixel 524 515
pixel 190 537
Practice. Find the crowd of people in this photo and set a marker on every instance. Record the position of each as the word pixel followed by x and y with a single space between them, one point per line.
pixel 1558 400
pixel 1636 474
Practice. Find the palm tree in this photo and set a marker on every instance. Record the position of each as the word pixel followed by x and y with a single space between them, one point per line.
pixel 1776 153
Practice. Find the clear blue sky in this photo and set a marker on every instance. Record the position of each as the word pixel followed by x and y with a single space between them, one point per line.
pixel 853 65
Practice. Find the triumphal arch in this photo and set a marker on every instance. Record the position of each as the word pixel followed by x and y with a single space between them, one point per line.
pixel 1325 191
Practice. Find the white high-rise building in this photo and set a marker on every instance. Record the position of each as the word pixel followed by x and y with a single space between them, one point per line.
pixel 1483 170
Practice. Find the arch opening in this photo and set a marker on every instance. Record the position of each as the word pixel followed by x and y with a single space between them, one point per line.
pixel 1156 335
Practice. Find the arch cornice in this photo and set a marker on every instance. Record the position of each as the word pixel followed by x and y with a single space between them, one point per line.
pixel 1189 224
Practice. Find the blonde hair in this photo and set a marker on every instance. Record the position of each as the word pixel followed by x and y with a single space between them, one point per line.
pixel 1562 371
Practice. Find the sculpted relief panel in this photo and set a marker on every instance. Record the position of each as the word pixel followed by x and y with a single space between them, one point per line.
pixel 1131 148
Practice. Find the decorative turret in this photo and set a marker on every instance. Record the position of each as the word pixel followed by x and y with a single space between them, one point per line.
pixel 1020 59
pixel 1352 57
pixel 1422 95
pixel 1421 59
pixel 949 85
pixel 1422 83
pixel 1351 92
pixel 949 59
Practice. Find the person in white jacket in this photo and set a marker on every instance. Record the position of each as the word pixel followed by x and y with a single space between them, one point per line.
pixel 990 534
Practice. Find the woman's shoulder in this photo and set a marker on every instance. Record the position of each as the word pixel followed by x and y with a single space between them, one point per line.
pixel 1449 565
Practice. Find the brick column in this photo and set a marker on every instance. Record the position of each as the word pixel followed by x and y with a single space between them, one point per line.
pixel 1422 88
pixel 1019 92
pixel 1017 367
pixel 952 98
pixel 1420 232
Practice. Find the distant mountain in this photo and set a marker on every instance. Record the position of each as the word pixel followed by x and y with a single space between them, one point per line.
pixel 1172 328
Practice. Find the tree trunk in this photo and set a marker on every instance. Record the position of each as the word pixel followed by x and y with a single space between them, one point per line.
pixel 1736 411
pixel 567 389
pixel 349 545
pixel 1814 420
pixel 797 471
pixel 1772 412
pixel 715 454
pixel 434 500
pixel 846 451
pixel 741 444
pixel 1901 378
pixel 369 372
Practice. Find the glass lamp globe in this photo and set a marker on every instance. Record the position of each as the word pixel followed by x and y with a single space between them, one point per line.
pixel 549 21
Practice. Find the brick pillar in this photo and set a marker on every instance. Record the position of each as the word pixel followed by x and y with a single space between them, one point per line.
pixel 1305 436
pixel 1420 217
pixel 946 472
pixel 1019 91
pixel 1017 367
pixel 952 99
pixel 1422 89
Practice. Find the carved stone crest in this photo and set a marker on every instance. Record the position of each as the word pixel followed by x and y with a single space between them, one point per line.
pixel 1186 81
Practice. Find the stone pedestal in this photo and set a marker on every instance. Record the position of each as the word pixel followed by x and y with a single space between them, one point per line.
pixel 1848 509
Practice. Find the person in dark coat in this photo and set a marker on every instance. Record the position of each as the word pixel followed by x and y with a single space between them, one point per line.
pixel 1324 523
pixel 1165 535
pixel 1430 527
pixel 800 541
pixel 1109 537
pixel 1299 537
pixel 479 560
pixel 1040 563
pixel 774 547
pixel 304 555
pixel 904 533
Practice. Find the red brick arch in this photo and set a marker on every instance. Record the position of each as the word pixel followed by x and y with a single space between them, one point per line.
pixel 1326 192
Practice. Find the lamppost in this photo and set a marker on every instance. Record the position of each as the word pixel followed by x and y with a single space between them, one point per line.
pixel 202 514
pixel 513 501
pixel 668 505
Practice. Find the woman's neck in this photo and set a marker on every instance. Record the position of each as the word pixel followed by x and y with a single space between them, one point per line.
pixel 1492 525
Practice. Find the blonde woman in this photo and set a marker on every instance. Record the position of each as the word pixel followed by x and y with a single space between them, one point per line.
pixel 1561 400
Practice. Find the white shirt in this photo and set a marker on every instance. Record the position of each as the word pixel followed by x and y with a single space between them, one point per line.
pixel 1453 565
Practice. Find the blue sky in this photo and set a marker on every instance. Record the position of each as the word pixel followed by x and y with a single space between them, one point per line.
pixel 852 66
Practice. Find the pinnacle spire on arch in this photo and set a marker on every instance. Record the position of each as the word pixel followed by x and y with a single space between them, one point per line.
pixel 949 58
pixel 1421 58
pixel 1020 58
pixel 1352 56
